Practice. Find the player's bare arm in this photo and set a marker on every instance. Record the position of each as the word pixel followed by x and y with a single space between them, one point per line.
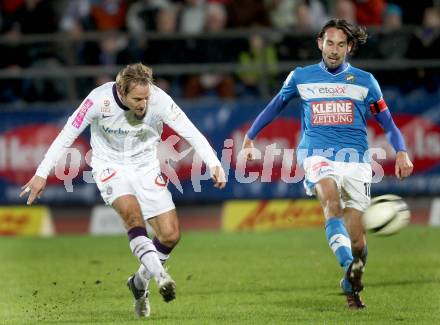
pixel 218 176
pixel 403 167
pixel 34 187
pixel 248 147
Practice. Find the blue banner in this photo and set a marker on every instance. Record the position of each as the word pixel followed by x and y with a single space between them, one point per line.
pixel 26 135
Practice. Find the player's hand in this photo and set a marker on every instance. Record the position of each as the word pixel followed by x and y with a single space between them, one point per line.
pixel 218 176
pixel 248 148
pixel 404 167
pixel 35 186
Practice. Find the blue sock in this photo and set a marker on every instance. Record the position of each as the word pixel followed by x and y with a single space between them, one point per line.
pixel 339 241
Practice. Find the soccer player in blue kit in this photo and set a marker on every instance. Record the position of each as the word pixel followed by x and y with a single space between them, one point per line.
pixel 333 150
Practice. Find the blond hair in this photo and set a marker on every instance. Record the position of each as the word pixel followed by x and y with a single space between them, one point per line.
pixel 133 75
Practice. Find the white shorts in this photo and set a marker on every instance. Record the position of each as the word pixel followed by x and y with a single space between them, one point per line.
pixel 148 185
pixel 353 179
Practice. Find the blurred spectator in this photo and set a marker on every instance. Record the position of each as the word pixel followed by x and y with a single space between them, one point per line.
pixel 258 58
pixel 303 16
pixel 345 9
pixel 134 51
pixel 247 13
pixel 141 15
pixel 110 46
pixel 40 17
pixel 216 18
pixel 8 13
pixel 393 41
pixel 413 11
pixel 309 15
pixel 14 58
pixel 37 17
pixel 48 89
pixel 166 20
pixel 392 17
pixel 301 46
pixel 193 16
pixel 280 13
pixel 369 12
pixel 75 20
pixel 165 50
pixel 76 17
pixel 10 6
pixel 221 84
pixel 108 51
pixel 109 14
pixel 425 43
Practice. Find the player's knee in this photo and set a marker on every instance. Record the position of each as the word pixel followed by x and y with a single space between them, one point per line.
pixel 133 219
pixel 170 237
pixel 333 208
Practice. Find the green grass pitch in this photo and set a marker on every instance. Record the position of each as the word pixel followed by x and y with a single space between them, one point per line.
pixel 285 277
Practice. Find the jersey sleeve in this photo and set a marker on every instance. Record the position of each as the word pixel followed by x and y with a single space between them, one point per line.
pixel 77 122
pixel 267 115
pixel 289 89
pixel 175 118
pixel 379 109
pixel 275 106
pixel 375 98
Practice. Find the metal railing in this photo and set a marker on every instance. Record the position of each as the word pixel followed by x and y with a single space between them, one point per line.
pixel 69 71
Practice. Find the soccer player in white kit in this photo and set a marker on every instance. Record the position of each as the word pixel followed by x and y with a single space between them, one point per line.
pixel 126 119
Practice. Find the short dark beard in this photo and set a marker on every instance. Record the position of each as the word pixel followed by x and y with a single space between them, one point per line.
pixel 332 67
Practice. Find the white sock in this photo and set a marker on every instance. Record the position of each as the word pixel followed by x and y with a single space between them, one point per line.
pixel 142 278
pixel 163 257
pixel 144 249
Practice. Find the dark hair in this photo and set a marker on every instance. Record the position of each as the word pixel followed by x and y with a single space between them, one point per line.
pixel 356 35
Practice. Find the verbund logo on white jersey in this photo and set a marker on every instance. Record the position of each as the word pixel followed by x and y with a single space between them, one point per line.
pixel 332 112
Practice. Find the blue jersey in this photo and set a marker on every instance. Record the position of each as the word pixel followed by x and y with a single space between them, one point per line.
pixel 334 110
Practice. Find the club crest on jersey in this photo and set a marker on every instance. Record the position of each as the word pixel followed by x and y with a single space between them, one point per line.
pixel 174 112
pixel 161 180
pixel 106 174
pixel 316 167
pixel 349 78
pixel 332 112
pixel 321 168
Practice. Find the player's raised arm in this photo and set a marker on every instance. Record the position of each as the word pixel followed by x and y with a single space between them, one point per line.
pixel 270 112
pixel 176 119
pixel 76 123
pixel 379 109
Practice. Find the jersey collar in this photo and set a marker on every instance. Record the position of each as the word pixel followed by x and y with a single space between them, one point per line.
pixel 336 71
pixel 117 99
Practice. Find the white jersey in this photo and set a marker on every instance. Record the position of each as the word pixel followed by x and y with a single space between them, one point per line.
pixel 117 136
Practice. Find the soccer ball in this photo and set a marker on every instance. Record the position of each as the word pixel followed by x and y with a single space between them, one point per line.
pixel 386 215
